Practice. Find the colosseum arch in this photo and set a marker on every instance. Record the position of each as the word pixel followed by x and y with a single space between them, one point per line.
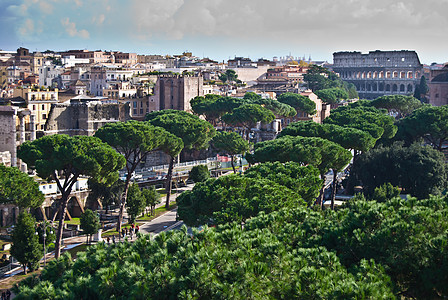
pixel 387 87
pixel 375 74
pixel 394 88
pixel 363 75
pixel 410 75
pixel 388 74
pixel 369 75
pixel 410 89
pixel 395 74
pixel 381 87
pixel 374 87
pixel 402 88
pixel 381 74
pixel 402 74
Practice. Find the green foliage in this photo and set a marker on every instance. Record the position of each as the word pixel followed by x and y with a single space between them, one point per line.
pixel 314 151
pixel 74 156
pixel 349 138
pixel 252 97
pixel 369 119
pixel 429 123
pixel 199 173
pixel 136 139
pixel 247 115
pixel 230 143
pixel 108 194
pixel 214 107
pixel 333 95
pixel 90 222
pixel 152 198
pixel 136 203
pixel 298 102
pixel 194 132
pixel 397 104
pixel 385 191
pixel 233 198
pixel 320 78
pixel 418 170
pixel 304 180
pixel 18 188
pixel 230 75
pixel 25 243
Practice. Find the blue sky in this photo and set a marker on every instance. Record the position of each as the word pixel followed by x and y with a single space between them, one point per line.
pixel 221 29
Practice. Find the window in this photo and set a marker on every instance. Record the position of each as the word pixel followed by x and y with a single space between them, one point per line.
pixel 134 104
pixel 34 107
pixel 44 116
pixel 141 111
pixel 134 111
pixel 43 98
pixel 43 106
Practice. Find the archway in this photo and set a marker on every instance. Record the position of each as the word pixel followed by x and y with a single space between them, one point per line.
pixel 387 87
pixel 394 88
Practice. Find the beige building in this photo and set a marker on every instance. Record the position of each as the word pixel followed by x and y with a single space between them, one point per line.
pixel 39 103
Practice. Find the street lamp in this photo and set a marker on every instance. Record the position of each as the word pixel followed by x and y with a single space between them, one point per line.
pixel 44 235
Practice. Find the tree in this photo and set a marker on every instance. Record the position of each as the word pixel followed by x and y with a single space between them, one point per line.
pixel 304 180
pixel 397 104
pixel 247 116
pixel 152 198
pixel 349 138
pixel 18 188
pixel 423 87
pixel 385 192
pixel 25 243
pixel 332 95
pixel 233 198
pixel 230 75
pixel 90 223
pixel 106 194
pixel 369 119
pixel 72 157
pixel 277 108
pixel 298 102
pixel 429 123
pixel 315 151
pixel 135 140
pixel 418 170
pixel 194 132
pixel 319 78
pixel 231 143
pixel 199 173
pixel 136 203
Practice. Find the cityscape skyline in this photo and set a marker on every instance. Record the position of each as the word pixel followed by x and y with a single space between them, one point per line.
pixel 224 29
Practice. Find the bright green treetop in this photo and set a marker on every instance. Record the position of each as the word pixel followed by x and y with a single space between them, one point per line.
pixel 298 102
pixel 19 188
pixel 25 243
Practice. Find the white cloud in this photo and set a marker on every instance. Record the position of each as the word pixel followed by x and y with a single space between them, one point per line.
pixel 70 28
pixel 27 28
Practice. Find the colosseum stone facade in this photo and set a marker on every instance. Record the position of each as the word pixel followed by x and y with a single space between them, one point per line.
pixel 379 73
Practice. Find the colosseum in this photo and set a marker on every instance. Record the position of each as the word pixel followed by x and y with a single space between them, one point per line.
pixel 379 73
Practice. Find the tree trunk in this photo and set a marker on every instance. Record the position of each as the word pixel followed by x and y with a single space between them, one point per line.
pixel 233 165
pixel 169 177
pixel 24 269
pixel 124 196
pixel 333 191
pixel 63 208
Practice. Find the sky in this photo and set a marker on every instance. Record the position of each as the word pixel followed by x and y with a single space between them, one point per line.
pixel 223 29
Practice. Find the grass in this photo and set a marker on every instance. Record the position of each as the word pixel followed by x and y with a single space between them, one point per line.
pixel 158 212
pixel 73 221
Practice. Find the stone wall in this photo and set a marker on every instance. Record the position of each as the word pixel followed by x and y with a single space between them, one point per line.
pixel 84 118
pixel 379 73
pixel 8 132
